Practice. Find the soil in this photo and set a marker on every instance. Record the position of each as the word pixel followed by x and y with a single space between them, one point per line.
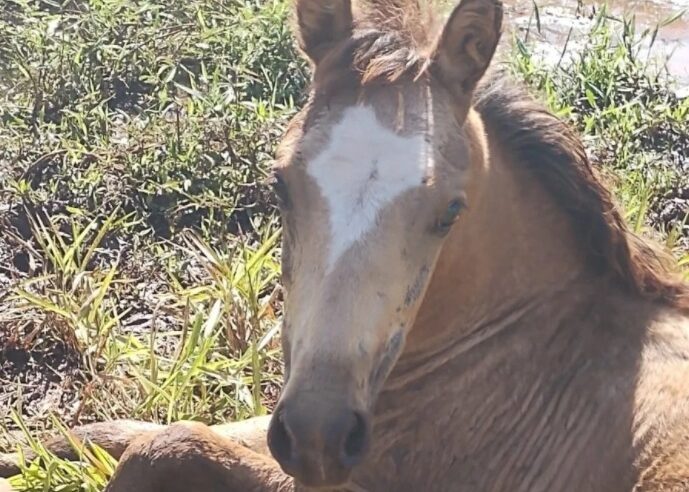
pixel 41 366
pixel 38 371
pixel 671 212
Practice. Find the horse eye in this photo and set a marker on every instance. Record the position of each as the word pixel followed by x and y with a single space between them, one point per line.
pixel 279 186
pixel 451 213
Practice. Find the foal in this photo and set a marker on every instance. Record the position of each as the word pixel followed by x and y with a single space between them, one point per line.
pixel 466 309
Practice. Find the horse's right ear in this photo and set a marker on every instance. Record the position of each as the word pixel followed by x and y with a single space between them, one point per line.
pixel 320 24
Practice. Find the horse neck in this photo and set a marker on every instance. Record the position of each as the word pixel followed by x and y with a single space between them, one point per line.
pixel 514 323
pixel 514 244
pixel 505 301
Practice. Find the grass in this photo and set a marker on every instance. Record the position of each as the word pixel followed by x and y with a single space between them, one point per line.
pixel 139 254
pixel 139 249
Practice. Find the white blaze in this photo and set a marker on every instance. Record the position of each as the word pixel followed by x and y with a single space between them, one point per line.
pixel 362 169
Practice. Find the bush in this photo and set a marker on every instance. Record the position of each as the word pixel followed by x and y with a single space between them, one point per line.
pixel 168 109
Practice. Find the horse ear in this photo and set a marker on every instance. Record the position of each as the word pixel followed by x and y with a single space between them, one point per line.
pixel 467 44
pixel 320 23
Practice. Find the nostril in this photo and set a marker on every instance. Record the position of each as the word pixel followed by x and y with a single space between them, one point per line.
pixel 279 440
pixel 356 442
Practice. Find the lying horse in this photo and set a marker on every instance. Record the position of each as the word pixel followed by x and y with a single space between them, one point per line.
pixel 466 310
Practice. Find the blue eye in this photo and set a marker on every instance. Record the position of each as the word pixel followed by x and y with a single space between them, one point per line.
pixel 455 207
pixel 451 214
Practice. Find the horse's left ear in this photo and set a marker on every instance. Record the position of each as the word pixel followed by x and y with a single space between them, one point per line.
pixel 320 24
pixel 467 44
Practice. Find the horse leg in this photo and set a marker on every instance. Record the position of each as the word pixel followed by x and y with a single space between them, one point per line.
pixel 189 456
pixel 251 433
pixel 116 435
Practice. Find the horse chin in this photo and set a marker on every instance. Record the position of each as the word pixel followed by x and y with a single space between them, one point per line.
pixel 325 485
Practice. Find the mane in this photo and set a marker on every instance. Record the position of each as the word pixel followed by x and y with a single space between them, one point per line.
pixel 393 39
pixel 555 156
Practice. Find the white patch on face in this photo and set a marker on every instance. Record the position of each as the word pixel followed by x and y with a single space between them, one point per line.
pixel 363 168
